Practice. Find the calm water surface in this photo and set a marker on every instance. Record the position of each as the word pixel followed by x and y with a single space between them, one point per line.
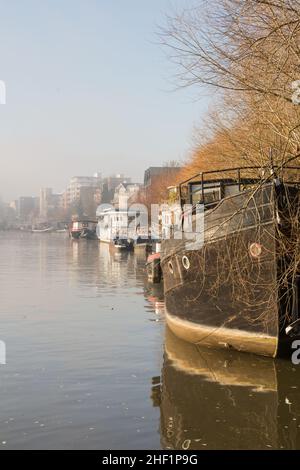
pixel 90 364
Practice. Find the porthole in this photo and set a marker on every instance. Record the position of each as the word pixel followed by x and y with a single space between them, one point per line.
pixel 255 250
pixel 171 269
pixel 186 263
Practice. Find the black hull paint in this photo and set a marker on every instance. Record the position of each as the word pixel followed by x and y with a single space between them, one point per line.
pixel 228 297
pixel 75 235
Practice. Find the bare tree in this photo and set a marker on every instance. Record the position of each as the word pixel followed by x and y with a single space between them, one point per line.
pixel 249 51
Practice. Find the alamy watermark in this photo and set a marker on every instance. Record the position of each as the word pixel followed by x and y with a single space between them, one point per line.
pixel 2 353
pixel 162 222
pixel 2 92
pixel 296 354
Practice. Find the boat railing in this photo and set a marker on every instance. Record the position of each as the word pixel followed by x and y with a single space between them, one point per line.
pixel 236 177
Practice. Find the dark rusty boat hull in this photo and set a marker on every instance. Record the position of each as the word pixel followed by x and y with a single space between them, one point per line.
pixel 229 296
pixel 75 234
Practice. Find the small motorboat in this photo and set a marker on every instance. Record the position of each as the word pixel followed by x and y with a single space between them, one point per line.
pixel 88 234
pixel 123 244
pixel 42 230
pixel 83 229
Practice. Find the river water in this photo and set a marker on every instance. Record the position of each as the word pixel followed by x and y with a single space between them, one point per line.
pixel 91 365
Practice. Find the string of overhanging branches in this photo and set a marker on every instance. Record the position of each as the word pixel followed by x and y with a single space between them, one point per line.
pixel 247 51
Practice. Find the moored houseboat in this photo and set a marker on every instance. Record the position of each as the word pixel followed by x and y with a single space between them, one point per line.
pixel 118 227
pixel 236 284
pixel 142 245
pixel 83 229
pixel 112 225
pixel 123 244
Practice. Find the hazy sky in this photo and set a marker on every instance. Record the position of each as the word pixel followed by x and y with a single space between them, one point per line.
pixel 88 89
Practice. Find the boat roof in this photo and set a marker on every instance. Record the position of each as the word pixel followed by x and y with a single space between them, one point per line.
pixel 117 211
pixel 84 221
pixel 238 174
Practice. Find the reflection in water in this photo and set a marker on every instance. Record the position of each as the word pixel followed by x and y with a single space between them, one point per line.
pixel 225 400
pixel 80 324
pixel 154 295
pixel 98 265
pixel 84 333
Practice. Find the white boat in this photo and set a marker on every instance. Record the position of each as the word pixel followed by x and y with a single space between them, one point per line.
pixel 83 229
pixel 123 245
pixel 118 225
pixel 42 230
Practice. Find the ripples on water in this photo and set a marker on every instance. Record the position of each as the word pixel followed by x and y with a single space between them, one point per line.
pixel 89 364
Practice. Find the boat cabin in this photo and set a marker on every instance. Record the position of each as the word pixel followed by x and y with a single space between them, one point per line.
pixel 121 224
pixel 209 187
pixel 83 229
pixel 209 192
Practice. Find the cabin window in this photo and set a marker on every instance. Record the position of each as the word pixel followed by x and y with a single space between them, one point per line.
pixel 211 194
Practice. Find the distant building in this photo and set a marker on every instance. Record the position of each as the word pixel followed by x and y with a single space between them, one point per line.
pixel 124 194
pixel 109 185
pixel 87 202
pixel 153 173
pixel 74 191
pixel 7 215
pixel 45 195
pixel 157 179
pixel 98 196
pixel 51 204
pixel 28 208
pixel 14 205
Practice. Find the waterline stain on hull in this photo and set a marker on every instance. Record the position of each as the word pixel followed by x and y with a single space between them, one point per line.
pixel 222 337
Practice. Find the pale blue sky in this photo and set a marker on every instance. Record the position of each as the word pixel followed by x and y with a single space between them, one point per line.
pixel 88 88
